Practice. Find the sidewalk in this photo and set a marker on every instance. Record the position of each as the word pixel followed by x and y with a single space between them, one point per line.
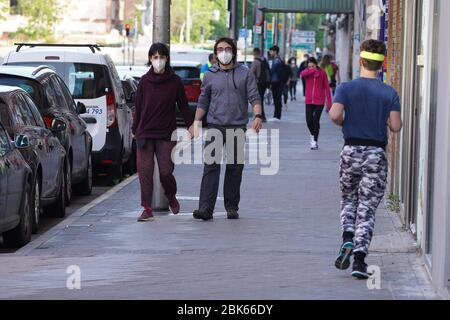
pixel 283 247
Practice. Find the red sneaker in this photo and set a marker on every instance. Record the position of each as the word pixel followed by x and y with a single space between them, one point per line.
pixel 147 215
pixel 174 205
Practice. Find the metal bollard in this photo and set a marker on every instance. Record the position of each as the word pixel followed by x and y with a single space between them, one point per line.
pixel 159 199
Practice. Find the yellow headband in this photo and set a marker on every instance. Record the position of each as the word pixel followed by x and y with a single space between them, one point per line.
pixel 372 56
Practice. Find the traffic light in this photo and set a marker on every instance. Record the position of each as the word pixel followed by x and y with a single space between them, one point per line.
pixel 127 29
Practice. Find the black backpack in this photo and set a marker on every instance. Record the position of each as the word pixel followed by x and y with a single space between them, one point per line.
pixel 285 72
pixel 264 75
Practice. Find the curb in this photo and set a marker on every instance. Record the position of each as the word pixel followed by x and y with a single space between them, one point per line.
pixel 27 249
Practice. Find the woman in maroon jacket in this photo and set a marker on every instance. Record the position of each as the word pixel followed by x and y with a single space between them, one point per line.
pixel 158 93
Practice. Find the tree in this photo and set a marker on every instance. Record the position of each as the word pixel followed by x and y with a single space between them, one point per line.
pixel 201 13
pixel 4 8
pixel 42 16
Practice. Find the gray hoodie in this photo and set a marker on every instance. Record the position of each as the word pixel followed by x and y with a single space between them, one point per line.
pixel 225 95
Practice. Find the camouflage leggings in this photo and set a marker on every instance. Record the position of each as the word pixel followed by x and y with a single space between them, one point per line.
pixel 363 173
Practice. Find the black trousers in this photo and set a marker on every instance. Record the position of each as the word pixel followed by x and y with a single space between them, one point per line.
pixel 277 92
pixel 313 114
pixel 262 90
pixel 293 88
pixel 285 93
pixel 233 174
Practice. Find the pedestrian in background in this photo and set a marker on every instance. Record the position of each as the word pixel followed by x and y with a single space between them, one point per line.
pixel 261 70
pixel 317 95
pixel 332 71
pixel 276 83
pixel 159 92
pixel 370 106
pixel 225 94
pixel 294 78
pixel 303 67
pixel 211 61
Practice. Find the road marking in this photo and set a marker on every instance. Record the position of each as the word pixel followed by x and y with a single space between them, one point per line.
pixel 187 198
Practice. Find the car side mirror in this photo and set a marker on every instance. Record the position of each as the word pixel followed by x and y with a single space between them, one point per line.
pixel 58 126
pixel 22 142
pixel 81 108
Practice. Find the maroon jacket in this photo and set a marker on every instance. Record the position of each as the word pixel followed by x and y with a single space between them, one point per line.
pixel 156 99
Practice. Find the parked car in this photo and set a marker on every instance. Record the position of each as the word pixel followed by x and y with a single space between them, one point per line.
pixel 93 80
pixel 129 85
pixel 45 154
pixel 199 56
pixel 189 72
pixel 135 71
pixel 16 185
pixel 53 99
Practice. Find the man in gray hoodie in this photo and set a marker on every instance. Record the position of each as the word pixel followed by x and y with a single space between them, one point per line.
pixel 226 91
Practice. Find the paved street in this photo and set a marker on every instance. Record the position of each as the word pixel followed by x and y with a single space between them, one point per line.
pixel 283 247
pixel 100 186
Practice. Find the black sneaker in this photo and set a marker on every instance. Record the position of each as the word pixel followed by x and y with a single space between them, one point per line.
pixel 203 214
pixel 360 270
pixel 343 260
pixel 232 214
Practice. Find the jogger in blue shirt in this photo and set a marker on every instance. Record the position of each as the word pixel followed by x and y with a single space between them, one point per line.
pixel 364 107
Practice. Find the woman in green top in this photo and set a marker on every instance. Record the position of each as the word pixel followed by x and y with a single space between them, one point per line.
pixel 294 78
pixel 332 71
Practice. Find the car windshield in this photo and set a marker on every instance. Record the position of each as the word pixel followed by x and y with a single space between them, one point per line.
pixel 187 72
pixel 32 87
pixel 84 80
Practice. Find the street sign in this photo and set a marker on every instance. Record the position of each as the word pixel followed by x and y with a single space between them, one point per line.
pixel 258 29
pixel 304 46
pixel 306 34
pixel 303 40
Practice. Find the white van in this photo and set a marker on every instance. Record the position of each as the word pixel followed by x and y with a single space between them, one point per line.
pixel 93 80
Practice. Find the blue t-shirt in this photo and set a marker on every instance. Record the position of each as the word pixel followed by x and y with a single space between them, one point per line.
pixel 368 104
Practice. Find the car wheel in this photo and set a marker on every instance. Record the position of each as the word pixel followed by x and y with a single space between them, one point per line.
pixel 21 234
pixel 68 178
pixel 58 209
pixel 85 187
pixel 36 206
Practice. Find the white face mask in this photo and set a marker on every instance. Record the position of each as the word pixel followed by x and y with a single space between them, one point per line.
pixel 225 57
pixel 159 64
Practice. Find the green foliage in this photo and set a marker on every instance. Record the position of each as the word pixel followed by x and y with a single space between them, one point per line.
pixel 393 203
pixel 4 7
pixel 42 16
pixel 202 16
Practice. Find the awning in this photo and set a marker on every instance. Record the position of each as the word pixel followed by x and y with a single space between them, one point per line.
pixel 308 6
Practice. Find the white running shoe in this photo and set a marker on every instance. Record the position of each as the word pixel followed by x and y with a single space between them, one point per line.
pixel 313 144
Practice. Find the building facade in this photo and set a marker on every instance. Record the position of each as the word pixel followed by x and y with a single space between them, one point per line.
pixel 419 157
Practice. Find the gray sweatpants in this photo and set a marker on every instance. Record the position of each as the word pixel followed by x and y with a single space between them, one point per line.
pixel 363 174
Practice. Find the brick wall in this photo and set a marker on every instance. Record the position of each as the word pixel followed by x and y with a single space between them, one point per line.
pixel 394 78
